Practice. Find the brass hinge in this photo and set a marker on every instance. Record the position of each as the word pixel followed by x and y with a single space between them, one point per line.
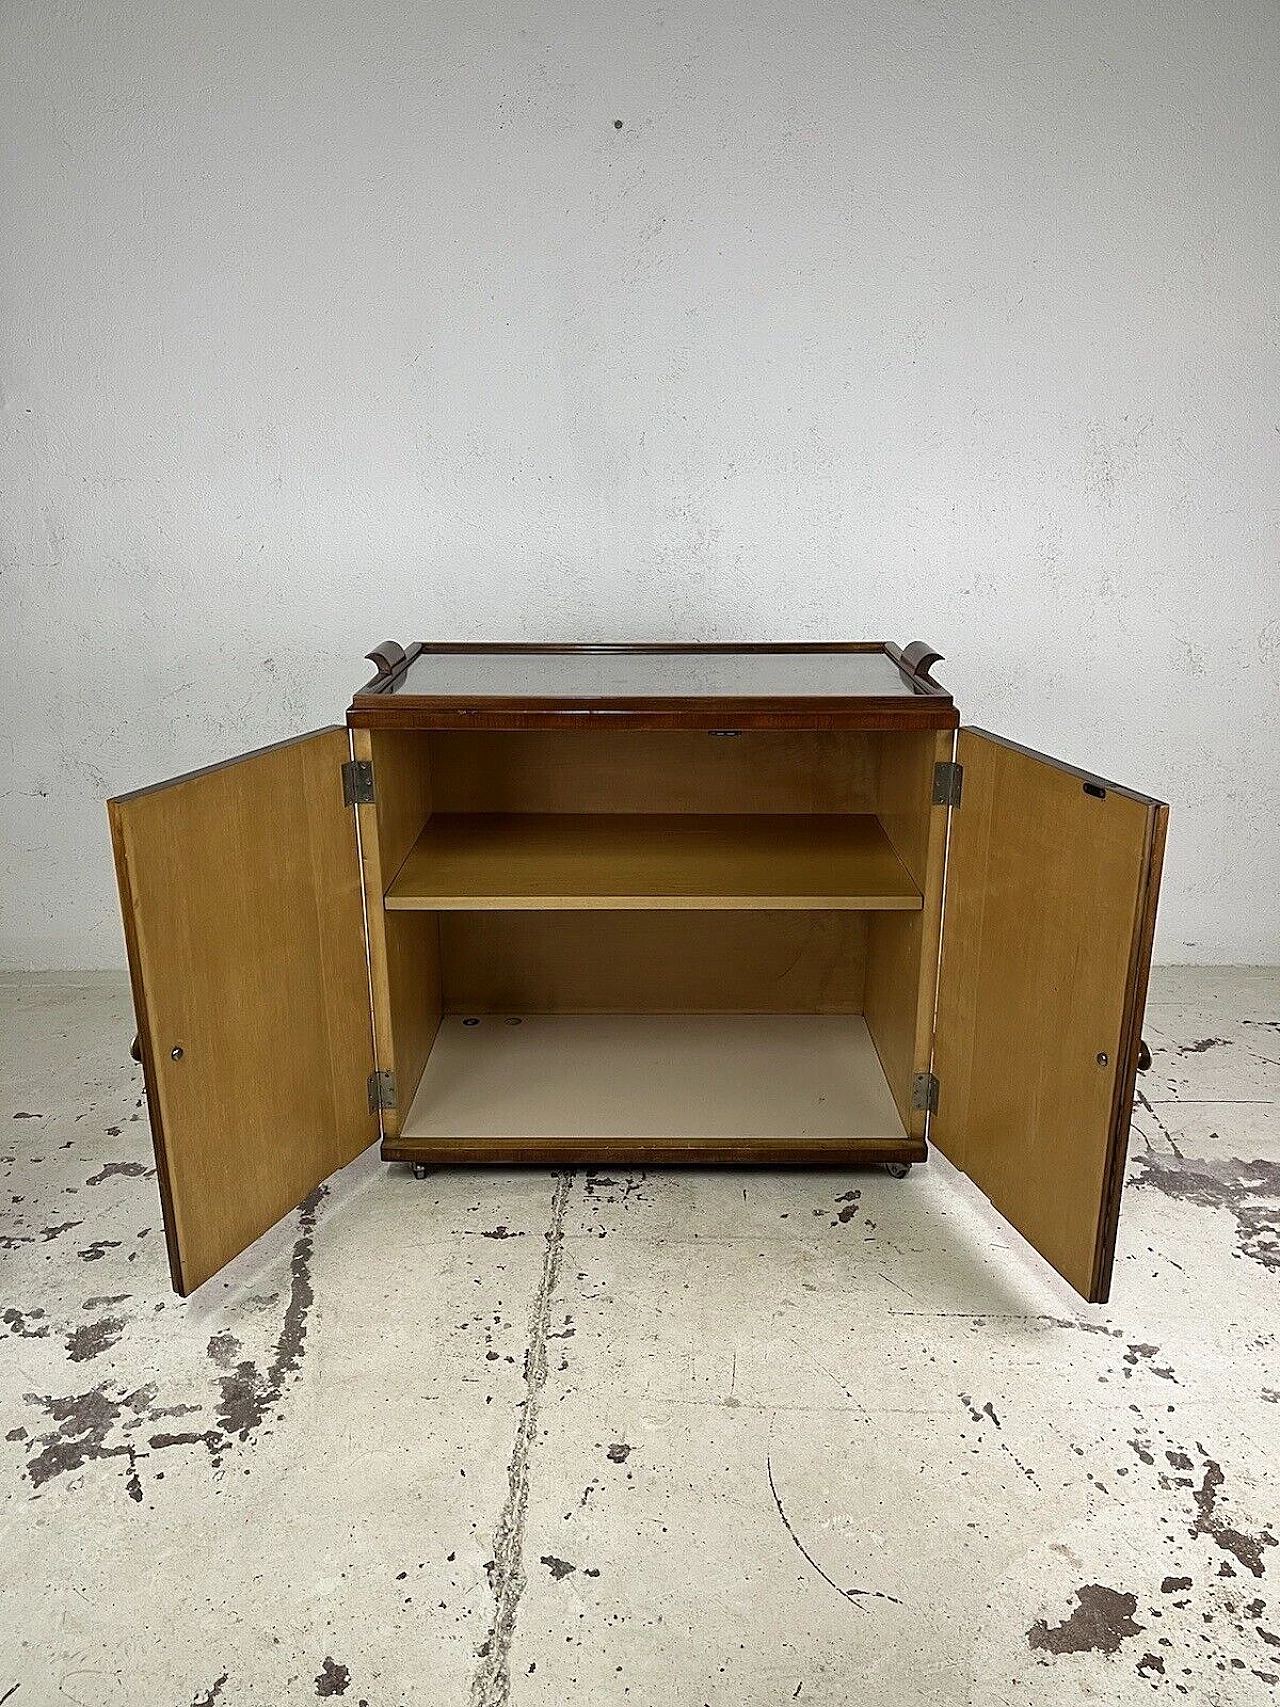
pixel 948 780
pixel 357 783
pixel 924 1092
pixel 382 1091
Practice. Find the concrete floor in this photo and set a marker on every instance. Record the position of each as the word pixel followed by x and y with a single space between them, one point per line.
pixel 681 1437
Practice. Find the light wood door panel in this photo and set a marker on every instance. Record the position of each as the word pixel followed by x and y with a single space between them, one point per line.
pixel 1052 876
pixel 240 889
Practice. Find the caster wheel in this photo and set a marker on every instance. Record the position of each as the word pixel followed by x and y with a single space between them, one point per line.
pixel 419 1170
pixel 1144 1057
pixel 897 1170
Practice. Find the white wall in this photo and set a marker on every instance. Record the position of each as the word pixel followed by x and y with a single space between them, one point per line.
pixel 329 321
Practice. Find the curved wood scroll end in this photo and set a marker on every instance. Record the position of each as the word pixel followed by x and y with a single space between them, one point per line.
pixel 388 655
pixel 919 658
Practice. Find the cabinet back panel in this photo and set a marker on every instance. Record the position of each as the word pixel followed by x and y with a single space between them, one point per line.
pixel 605 770
pixel 784 962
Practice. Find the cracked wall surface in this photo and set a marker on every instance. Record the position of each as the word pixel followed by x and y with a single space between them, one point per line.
pixel 515 1438
pixel 639 322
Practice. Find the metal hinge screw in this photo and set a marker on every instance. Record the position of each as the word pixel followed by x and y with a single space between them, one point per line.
pixel 357 782
pixel 924 1092
pixel 382 1091
pixel 948 781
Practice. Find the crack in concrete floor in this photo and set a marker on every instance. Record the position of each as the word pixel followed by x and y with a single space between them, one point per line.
pixel 491 1685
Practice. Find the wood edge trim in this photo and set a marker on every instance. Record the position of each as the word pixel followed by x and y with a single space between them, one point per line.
pixel 370 853
pixel 1127 1076
pixel 146 1050
pixel 657 903
pixel 926 711
pixel 571 648
pixel 933 906
pixel 587 710
pixel 568 1152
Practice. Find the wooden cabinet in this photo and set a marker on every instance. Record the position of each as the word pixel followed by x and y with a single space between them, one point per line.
pixel 641 905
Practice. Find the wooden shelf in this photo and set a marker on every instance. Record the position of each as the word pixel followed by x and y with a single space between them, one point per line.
pixel 626 861
pixel 658 1087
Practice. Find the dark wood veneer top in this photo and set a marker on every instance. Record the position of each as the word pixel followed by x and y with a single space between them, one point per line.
pixel 865 684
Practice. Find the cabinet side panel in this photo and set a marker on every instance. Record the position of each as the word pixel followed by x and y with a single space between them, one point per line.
pixel 402 788
pixel 413 973
pixel 404 961
pixel 653 962
pixel 902 948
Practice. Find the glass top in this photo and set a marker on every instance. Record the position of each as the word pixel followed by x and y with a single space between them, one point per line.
pixel 689 674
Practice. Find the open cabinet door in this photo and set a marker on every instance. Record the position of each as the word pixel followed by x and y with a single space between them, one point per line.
pixel 240 889
pixel 1052 877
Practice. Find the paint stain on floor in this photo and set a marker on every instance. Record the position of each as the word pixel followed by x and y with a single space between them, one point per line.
pixel 628 1435
pixel 1102 1619
pixel 1249 1191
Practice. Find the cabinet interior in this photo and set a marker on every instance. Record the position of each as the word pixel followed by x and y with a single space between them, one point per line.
pixel 600 933
pixel 653 939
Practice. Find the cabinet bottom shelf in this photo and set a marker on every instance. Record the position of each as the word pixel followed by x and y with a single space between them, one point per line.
pixel 654 1089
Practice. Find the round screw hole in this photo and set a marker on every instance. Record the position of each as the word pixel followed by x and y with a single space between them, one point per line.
pixel 471 1022
pixel 1103 1057
pixel 513 1019
pixel 175 1054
